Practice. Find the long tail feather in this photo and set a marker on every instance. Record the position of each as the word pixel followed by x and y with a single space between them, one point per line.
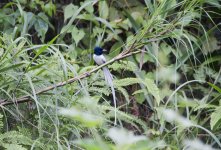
pixel 109 79
pixel 108 76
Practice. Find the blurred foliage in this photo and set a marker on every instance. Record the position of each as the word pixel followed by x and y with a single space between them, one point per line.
pixel 168 96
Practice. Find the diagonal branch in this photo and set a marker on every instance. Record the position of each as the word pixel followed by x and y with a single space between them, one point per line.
pixel 71 80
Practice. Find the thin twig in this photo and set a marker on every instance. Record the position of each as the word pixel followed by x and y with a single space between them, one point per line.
pixel 71 80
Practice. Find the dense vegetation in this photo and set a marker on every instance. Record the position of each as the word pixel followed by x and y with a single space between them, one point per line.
pixel 165 57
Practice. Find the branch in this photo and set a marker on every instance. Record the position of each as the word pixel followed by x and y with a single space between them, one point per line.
pixel 71 80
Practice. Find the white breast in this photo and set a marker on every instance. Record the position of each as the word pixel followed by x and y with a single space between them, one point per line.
pixel 99 59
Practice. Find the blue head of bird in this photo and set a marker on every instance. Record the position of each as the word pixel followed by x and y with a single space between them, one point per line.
pixel 98 50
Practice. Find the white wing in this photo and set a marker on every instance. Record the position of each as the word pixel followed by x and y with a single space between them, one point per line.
pixel 99 59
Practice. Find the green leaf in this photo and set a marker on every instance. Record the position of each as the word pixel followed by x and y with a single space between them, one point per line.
pixel 103 9
pixel 13 147
pixel 211 60
pixel 69 11
pixel 135 25
pixel 41 50
pixel 49 8
pixel 89 8
pixel 36 67
pixel 214 3
pixel 123 65
pixel 16 137
pixel 73 17
pixel 140 98
pixel 1 122
pixel 41 26
pixel 85 117
pixel 153 89
pixel 145 58
pixel 215 87
pixel 22 1
pixel 124 93
pixel 215 118
pixel 149 5
pixel 115 49
pixel 168 5
pixel 1 51
pixel 188 17
pixel 77 35
pixel 114 14
pixel 93 144
pixel 105 22
pixel 126 82
pixel 31 19
pixel 11 67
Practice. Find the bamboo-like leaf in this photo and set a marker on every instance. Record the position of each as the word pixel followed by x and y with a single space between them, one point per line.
pixel 14 146
pixel 11 67
pixel 126 81
pixel 124 92
pixel 215 118
pixel 215 87
pixel 153 89
pixel 42 49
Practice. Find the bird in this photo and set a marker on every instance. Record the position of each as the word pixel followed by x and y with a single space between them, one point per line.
pixel 99 60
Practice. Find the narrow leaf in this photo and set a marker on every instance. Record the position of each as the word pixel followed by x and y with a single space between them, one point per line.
pixel 215 87
pixel 10 67
pixel 215 117
pixel 153 89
